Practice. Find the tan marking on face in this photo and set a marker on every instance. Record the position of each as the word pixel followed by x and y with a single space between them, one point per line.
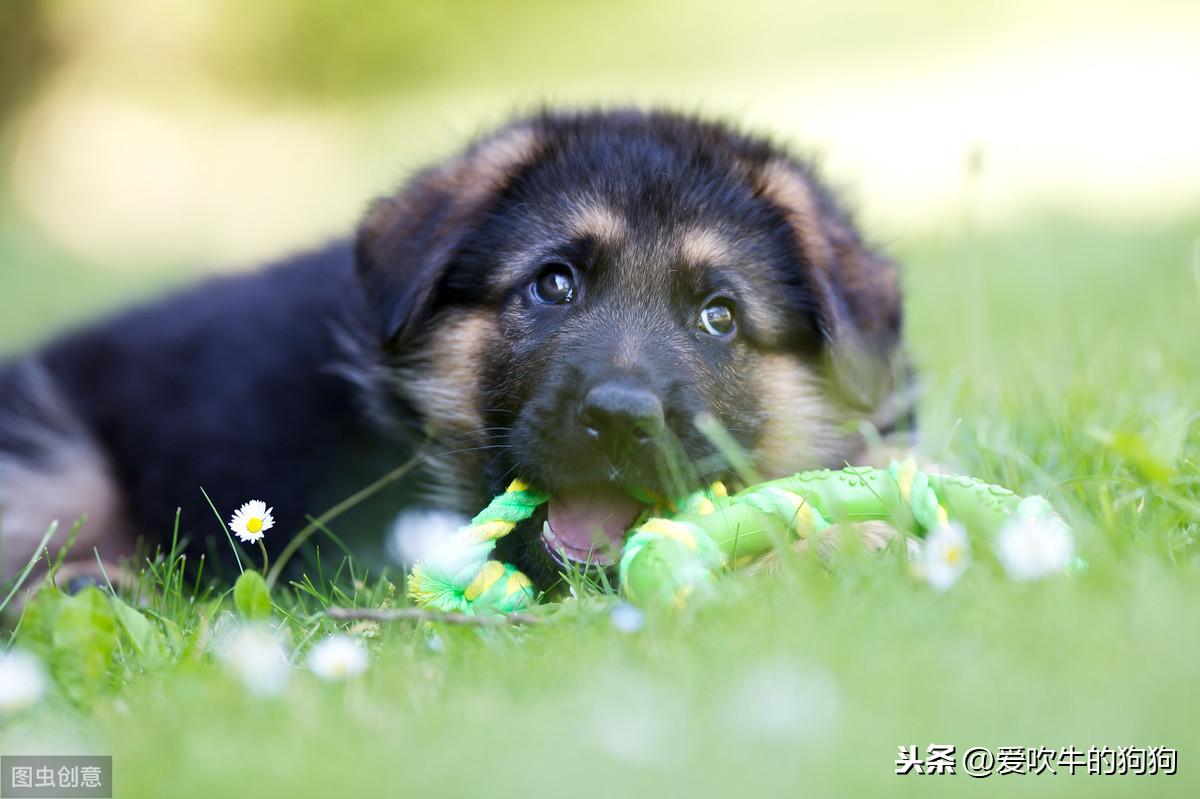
pixel 445 384
pixel 702 246
pixel 75 482
pixel 599 222
pixel 780 183
pixel 799 429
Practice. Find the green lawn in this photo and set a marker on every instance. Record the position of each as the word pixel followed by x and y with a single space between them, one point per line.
pixel 1059 357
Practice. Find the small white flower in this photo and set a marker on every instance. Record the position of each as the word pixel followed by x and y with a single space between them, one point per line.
pixel 256 654
pixel 338 657
pixel 22 681
pixel 626 618
pixel 1030 549
pixel 945 556
pixel 252 520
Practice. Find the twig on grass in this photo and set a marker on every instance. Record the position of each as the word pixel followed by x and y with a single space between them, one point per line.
pixel 417 614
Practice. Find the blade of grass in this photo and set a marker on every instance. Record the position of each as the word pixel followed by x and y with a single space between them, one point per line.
pixel 103 571
pixel 29 566
pixel 316 525
pixel 232 545
pixel 66 547
pixel 733 453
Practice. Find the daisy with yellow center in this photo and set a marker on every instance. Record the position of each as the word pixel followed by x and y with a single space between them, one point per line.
pixel 945 556
pixel 251 521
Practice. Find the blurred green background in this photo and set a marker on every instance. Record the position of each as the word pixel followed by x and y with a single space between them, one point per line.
pixel 146 140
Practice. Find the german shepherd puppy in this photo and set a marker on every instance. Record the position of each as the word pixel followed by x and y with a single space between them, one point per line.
pixel 559 302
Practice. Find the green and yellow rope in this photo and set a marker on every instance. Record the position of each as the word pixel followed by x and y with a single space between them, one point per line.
pixel 667 558
pixel 462 579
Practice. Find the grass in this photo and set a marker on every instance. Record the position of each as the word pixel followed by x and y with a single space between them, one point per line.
pixel 1059 357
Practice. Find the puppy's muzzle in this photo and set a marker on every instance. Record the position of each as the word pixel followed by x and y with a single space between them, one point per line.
pixel 621 416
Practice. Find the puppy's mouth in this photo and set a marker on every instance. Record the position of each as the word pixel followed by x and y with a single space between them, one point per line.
pixel 587 524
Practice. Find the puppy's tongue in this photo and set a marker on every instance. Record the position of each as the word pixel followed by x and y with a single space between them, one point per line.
pixel 589 523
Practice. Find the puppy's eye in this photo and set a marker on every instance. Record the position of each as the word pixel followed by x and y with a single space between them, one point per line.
pixel 555 285
pixel 716 318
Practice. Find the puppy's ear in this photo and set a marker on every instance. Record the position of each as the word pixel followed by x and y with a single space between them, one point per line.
pixel 857 289
pixel 406 242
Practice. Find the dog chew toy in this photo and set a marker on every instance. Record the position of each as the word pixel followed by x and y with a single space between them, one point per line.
pixel 667 558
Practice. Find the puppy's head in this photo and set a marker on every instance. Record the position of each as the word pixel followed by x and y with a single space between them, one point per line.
pixel 562 301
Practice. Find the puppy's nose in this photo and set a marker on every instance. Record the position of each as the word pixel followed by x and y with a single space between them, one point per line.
pixel 618 415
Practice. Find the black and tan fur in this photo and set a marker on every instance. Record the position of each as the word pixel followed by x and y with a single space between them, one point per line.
pixel 312 376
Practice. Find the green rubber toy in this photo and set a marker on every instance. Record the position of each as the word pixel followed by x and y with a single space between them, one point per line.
pixel 666 559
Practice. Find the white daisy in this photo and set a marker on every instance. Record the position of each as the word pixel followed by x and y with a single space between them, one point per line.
pixel 252 520
pixel 945 556
pixel 338 657
pixel 22 681
pixel 1030 549
pixel 257 655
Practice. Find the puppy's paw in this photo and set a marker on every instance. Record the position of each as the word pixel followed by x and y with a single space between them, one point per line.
pixel 871 536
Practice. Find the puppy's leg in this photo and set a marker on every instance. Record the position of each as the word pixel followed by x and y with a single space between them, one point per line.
pixel 872 536
pixel 52 470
